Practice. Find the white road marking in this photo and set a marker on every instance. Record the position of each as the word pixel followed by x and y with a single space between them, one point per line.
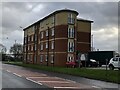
pixel 17 74
pixel 54 81
pixel 95 87
pixel 34 81
pixel 39 77
pixel 66 87
pixel 8 71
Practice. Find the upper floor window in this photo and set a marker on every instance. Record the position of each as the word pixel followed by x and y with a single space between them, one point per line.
pixel 35 46
pixel 70 46
pixel 52 31
pixel 41 46
pixel 71 20
pixel 31 48
pixel 42 34
pixel 52 45
pixel 71 32
pixel 28 47
pixel 46 44
pixel 28 38
pixel 46 32
pixel 32 38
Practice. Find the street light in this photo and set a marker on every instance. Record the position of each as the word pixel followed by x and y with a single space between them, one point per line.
pixel 92 42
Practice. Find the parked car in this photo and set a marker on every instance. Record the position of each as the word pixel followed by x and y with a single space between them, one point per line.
pixel 93 63
pixel 114 63
pixel 70 64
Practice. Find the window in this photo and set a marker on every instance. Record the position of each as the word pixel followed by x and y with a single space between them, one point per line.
pixel 28 47
pixel 46 33
pixel 42 34
pixel 52 45
pixel 32 38
pixel 71 46
pixel 41 47
pixel 70 59
pixel 28 38
pixel 71 32
pixel 41 58
pixel 70 19
pixel 52 31
pixel 52 59
pixel 31 48
pixel 46 44
pixel 46 57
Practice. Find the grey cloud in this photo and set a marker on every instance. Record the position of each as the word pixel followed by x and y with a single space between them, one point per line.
pixel 104 15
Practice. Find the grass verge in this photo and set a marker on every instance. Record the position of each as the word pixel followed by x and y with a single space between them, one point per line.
pixel 109 75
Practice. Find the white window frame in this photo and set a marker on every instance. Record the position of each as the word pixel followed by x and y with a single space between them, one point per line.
pixel 41 58
pixel 42 34
pixel 46 44
pixel 70 17
pixel 46 33
pixel 35 47
pixel 52 44
pixel 53 32
pixel 32 38
pixel 52 59
pixel 28 38
pixel 41 46
pixel 28 47
pixel 71 46
pixel 71 32
pixel 31 47
pixel 46 58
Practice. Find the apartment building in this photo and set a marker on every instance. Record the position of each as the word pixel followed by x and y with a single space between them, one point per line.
pixel 55 39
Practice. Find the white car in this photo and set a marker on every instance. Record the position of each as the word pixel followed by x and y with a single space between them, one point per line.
pixel 114 63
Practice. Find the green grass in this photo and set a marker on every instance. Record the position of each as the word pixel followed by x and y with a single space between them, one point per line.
pixel 110 76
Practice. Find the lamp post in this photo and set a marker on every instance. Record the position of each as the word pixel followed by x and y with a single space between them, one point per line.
pixel 92 42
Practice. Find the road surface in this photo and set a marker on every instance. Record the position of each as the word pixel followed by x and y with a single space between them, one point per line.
pixel 20 77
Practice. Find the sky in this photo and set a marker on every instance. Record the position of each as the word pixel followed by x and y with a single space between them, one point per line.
pixel 22 14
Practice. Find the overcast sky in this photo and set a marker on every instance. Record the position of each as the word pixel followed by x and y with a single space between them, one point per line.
pixel 104 15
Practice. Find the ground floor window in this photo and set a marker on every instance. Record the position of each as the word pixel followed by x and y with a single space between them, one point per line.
pixel 41 58
pixel 70 58
pixel 46 58
pixel 52 59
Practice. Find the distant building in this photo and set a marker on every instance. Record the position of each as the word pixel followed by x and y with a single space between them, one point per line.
pixel 54 40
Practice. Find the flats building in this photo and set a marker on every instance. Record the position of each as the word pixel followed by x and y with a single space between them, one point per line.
pixel 55 39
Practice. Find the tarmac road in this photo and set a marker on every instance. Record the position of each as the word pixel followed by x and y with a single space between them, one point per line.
pixel 20 77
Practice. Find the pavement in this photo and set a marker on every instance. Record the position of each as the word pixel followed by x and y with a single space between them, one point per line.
pixel 20 77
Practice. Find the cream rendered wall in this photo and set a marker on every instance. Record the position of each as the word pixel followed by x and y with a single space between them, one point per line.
pixel 48 22
pixel 62 18
pixel 29 31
